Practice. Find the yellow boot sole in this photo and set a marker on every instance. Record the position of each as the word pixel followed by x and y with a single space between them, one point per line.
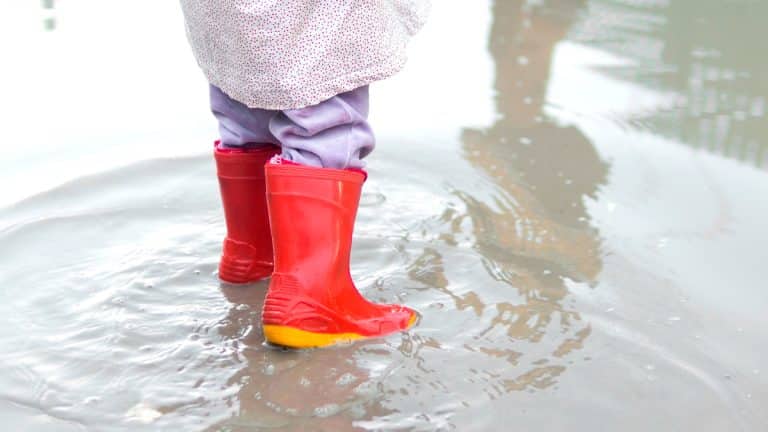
pixel 294 338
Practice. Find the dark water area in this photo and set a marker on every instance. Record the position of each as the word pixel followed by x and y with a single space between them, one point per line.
pixel 571 193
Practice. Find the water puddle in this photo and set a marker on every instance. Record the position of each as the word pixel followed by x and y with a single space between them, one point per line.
pixel 579 223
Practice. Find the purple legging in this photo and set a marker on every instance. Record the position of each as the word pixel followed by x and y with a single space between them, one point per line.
pixel 332 134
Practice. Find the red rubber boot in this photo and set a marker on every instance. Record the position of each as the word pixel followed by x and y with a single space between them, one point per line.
pixel 247 251
pixel 312 300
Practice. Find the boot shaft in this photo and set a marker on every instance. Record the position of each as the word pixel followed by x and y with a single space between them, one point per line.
pixel 247 249
pixel 242 186
pixel 312 215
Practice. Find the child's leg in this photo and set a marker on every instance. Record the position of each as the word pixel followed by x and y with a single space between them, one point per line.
pixel 312 300
pixel 240 126
pixel 240 158
pixel 332 134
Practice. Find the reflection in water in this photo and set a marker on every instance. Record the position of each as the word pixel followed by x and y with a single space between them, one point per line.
pixel 535 235
pixel 299 390
pixel 49 20
pixel 704 56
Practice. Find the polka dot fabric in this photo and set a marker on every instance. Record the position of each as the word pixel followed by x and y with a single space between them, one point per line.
pixel 287 54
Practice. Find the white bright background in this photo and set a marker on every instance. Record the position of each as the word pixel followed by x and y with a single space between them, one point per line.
pixel 116 82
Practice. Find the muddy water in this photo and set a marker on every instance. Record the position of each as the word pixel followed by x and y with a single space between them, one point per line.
pixel 572 193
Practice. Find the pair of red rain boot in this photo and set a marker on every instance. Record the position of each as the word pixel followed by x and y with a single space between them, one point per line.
pixel 304 218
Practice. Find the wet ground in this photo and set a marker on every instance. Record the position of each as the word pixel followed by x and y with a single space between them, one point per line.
pixel 572 193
